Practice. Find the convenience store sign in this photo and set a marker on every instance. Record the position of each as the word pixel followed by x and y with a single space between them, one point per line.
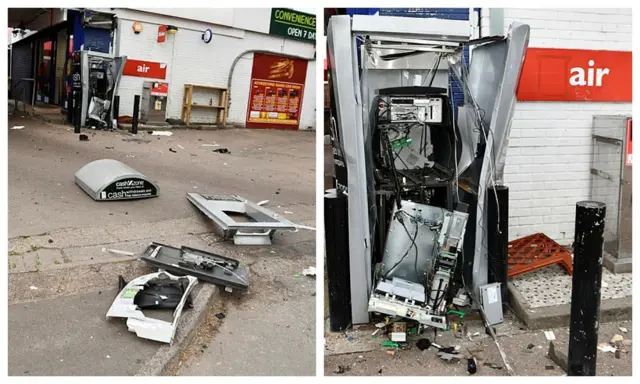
pixel 293 24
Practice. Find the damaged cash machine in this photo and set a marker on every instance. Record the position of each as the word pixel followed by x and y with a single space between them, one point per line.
pixel 420 134
pixel 96 77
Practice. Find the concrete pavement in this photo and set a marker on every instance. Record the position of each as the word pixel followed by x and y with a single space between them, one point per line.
pixel 57 233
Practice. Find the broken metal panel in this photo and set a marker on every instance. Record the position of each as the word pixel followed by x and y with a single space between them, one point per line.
pixel 206 266
pixel 509 60
pixel 147 328
pixel 343 60
pixel 258 231
pixel 402 259
pixel 411 27
pixel 109 179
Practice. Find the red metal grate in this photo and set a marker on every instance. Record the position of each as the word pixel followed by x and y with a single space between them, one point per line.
pixel 537 251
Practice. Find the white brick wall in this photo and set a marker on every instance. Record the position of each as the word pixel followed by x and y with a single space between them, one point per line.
pixel 549 155
pixel 190 60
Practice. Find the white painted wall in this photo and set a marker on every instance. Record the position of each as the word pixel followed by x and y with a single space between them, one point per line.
pixel 190 60
pixel 549 154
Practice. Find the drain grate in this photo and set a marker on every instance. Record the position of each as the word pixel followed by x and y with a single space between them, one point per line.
pixel 537 251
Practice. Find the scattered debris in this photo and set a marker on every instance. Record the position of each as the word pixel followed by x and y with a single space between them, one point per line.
pixel 118 252
pixel 449 356
pixel 263 202
pixel 549 367
pixel 296 275
pixel 530 346
pixel 423 344
pixel 210 145
pixel 221 150
pixel 83 137
pixel 161 133
pixel 493 366
pixel 288 212
pixel 145 327
pixel 399 337
pixel 616 338
pixel 390 344
pixel 180 146
pixel 623 329
pixel 172 150
pixel 18 127
pixel 604 347
pixel 220 315
pixel 375 332
pixel 549 335
pixel 136 140
pixel 349 337
pixel 391 352
pixel 472 368
pixel 381 325
pixel 342 369
pixel 311 271
pixel 617 353
pixel 33 288
pixel 108 147
pixel 50 241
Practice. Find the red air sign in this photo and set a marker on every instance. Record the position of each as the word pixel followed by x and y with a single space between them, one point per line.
pixel 148 69
pixel 575 75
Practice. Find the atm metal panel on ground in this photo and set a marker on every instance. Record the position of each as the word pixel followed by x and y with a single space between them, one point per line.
pixel 109 179
pixel 257 231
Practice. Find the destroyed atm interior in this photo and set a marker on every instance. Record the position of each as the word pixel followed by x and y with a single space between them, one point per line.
pixel 426 207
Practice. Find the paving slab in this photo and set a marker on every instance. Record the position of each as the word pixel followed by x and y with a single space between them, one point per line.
pixel 542 298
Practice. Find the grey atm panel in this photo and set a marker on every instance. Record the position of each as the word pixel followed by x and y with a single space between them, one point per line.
pixel 109 179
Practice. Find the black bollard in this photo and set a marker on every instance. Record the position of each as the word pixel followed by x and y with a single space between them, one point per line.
pixel 136 110
pixel 116 109
pixel 76 110
pixel 498 237
pixel 337 259
pixel 585 288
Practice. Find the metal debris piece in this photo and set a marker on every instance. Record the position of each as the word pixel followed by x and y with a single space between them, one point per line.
pixel 18 127
pixel 161 133
pixel 145 327
pixel 118 252
pixel 549 335
pixel 33 288
pixel 109 179
pixel 263 202
pixel 258 231
pixel 311 271
pixel 558 357
pixel 206 266
pixel 623 329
